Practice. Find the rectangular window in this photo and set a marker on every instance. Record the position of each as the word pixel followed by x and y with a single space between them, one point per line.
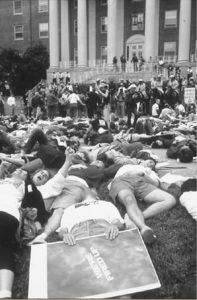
pixel 43 6
pixel 18 7
pixel 75 27
pixel 18 32
pixel 169 48
pixel 103 52
pixel 75 3
pixel 43 30
pixel 170 18
pixel 137 21
pixel 103 24
pixel 103 2
pixel 75 55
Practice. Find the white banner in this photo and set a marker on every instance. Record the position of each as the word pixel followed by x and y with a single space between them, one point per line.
pixel 189 95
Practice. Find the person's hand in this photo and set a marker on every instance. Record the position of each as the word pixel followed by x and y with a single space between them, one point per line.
pixel 112 232
pixel 69 239
pixel 40 239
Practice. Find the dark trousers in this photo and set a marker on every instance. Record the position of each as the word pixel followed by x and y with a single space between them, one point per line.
pixel 8 228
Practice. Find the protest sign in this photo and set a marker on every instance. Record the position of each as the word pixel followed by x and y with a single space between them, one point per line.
pixel 189 95
pixel 94 268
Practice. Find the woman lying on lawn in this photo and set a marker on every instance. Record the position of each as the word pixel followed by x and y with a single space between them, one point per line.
pixel 12 191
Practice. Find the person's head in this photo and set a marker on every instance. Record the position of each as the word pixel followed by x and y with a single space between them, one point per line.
pixel 150 163
pixel 132 87
pixel 172 77
pixel 185 154
pixel 158 101
pixel 98 163
pixel 40 177
pixel 97 114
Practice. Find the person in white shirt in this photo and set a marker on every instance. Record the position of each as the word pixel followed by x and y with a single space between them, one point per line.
pixel 12 104
pixel 12 191
pixel 73 100
pixel 156 108
pixel 90 217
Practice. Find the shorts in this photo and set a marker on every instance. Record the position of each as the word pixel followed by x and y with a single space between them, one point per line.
pixel 137 185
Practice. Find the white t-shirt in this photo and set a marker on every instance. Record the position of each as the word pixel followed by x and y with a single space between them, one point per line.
pixel 89 210
pixel 11 101
pixel 155 110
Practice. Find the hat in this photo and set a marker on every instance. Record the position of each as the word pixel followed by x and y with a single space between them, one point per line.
pixel 98 79
pixel 140 79
pixel 171 76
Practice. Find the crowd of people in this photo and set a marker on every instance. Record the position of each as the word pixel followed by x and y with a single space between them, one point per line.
pixel 67 142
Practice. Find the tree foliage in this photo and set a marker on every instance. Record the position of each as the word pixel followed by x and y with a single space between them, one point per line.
pixel 24 71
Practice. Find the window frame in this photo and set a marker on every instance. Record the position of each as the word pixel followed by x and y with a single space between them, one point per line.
pixel 14 7
pixel 75 4
pixel 173 25
pixel 170 42
pixel 104 3
pixel 104 24
pixel 75 27
pixel 44 37
pixel 103 56
pixel 15 32
pixel 137 24
pixel 45 5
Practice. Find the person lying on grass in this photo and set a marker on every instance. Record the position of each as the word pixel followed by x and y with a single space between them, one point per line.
pixel 133 183
pixel 12 191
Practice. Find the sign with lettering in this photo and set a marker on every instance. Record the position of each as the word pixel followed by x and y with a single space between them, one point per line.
pixel 94 268
pixel 189 95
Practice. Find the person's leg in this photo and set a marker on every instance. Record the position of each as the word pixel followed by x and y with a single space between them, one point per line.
pixel 8 227
pixel 37 135
pixel 160 202
pixel 127 198
pixel 6 144
pixel 6 283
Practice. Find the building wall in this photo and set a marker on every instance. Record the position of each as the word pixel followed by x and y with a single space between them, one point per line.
pixel 30 19
pixel 101 38
pixel 168 34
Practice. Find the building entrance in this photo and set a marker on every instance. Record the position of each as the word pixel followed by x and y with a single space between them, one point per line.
pixel 134 45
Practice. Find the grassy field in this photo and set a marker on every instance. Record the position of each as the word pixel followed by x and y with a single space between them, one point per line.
pixel 171 254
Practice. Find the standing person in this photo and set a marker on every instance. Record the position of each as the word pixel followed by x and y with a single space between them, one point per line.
pixel 73 100
pixel 131 100
pixel 135 62
pixel 67 77
pixel 12 104
pixel 52 104
pixel 160 65
pixel 61 77
pixel 115 66
pixel 54 78
pixel 141 62
pixel 120 98
pixel 103 92
pixel 156 108
pixel 189 73
pixel 123 62
pixel 2 108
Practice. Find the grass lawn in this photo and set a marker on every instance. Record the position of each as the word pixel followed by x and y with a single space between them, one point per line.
pixel 176 232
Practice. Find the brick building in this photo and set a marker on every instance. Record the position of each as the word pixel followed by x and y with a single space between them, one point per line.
pixel 87 31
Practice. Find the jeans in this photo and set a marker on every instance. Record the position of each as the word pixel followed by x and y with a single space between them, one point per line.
pixel 89 228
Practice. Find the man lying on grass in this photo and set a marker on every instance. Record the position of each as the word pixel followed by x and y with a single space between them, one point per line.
pixel 133 183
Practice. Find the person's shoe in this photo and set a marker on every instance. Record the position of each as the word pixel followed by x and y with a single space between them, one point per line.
pixel 148 236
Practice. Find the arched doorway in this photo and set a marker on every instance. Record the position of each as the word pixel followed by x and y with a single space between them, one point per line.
pixel 135 44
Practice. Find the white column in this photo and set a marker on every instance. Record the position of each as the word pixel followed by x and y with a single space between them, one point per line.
pixel 151 29
pixel 53 34
pixel 111 30
pixel 92 32
pixel 65 37
pixel 120 29
pixel 184 30
pixel 82 33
